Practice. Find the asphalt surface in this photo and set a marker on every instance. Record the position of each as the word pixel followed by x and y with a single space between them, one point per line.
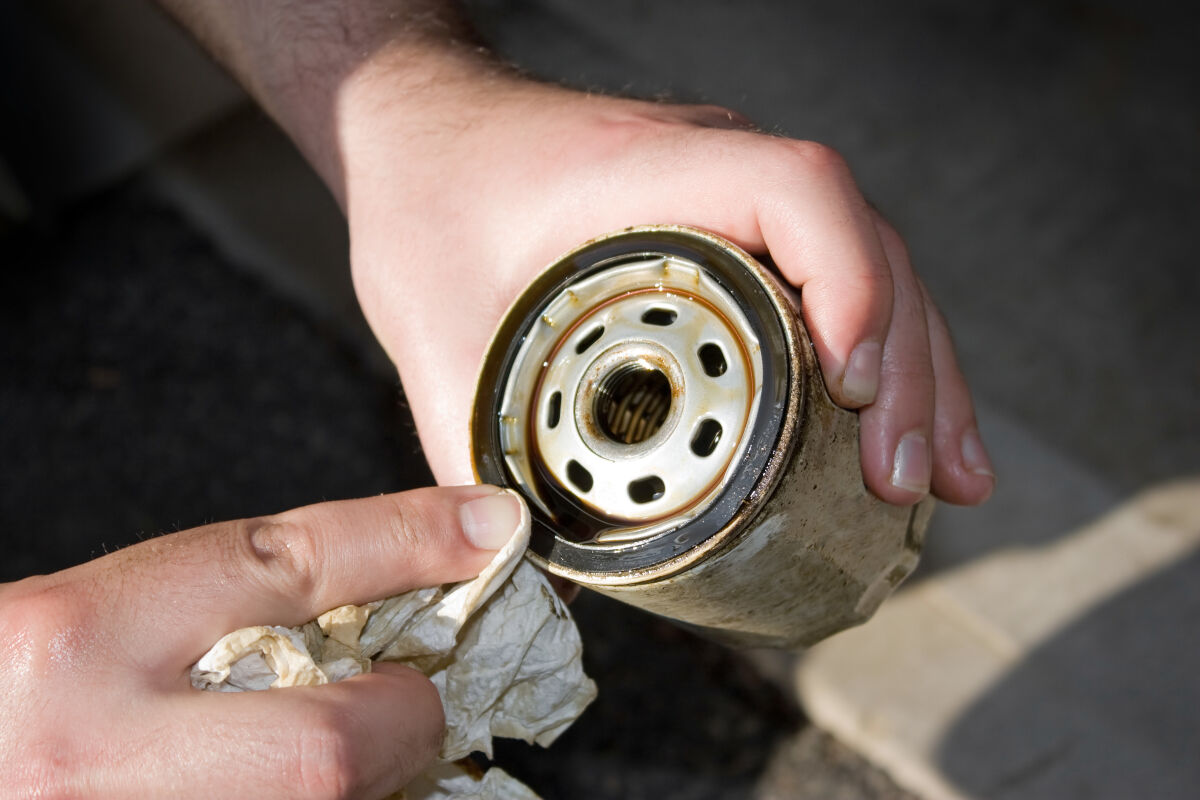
pixel 149 387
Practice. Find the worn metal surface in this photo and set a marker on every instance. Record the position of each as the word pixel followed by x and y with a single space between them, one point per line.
pixel 820 556
pixel 799 548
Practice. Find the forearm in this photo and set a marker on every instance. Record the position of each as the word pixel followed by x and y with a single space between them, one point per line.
pixel 304 61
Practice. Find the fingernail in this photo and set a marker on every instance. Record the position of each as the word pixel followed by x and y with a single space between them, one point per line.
pixel 912 466
pixel 974 454
pixel 860 382
pixel 489 522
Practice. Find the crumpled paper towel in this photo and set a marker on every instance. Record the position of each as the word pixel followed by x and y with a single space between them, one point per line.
pixel 502 650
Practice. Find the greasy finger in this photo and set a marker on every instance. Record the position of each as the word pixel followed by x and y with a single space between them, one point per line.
pixel 820 232
pixel 184 591
pixel 896 430
pixel 962 471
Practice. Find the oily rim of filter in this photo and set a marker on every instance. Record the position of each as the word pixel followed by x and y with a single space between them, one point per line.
pixel 769 315
pixel 770 440
pixel 536 471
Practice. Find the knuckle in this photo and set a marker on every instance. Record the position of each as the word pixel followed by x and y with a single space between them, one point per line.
pixel 912 372
pixel 878 275
pixel 618 132
pixel 408 527
pixel 818 158
pixel 912 369
pixel 48 620
pixel 46 635
pixel 656 124
pixel 867 295
pixel 873 278
pixel 285 552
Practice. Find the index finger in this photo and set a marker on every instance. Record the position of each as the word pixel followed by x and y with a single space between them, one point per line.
pixel 821 234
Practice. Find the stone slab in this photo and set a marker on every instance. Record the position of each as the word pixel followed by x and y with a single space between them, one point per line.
pixel 1059 667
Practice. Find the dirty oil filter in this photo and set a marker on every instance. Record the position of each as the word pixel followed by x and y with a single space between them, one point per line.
pixel 656 399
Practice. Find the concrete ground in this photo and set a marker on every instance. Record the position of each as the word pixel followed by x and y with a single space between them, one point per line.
pixel 180 344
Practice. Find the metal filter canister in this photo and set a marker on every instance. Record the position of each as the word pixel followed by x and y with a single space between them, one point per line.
pixel 657 401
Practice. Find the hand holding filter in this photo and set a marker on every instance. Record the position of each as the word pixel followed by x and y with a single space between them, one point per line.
pixel 656 399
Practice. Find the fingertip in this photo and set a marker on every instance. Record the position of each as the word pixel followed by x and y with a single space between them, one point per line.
pixel 975 456
pixel 964 475
pixel 417 690
pixel 296 565
pixel 909 474
pixel 895 495
pixel 491 521
pixel 406 712
pixel 896 470
pixel 859 384
pixel 964 489
pixel 981 491
pixel 912 464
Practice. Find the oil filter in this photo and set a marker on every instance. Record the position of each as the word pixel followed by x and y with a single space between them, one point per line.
pixel 654 396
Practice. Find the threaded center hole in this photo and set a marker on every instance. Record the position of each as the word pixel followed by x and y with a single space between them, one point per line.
pixel 632 403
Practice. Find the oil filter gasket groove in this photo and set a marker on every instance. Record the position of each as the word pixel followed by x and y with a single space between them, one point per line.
pixel 671 270
pixel 622 392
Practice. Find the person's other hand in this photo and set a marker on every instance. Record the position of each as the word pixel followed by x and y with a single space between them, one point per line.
pixel 461 189
pixel 462 180
pixel 95 698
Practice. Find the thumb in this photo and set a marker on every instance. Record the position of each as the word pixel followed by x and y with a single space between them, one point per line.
pixel 183 591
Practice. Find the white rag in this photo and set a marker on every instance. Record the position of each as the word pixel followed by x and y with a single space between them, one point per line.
pixel 502 650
